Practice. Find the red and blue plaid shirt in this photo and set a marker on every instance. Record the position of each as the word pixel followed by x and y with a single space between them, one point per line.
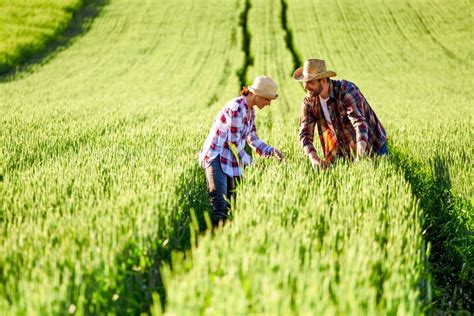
pixel 235 124
pixel 352 118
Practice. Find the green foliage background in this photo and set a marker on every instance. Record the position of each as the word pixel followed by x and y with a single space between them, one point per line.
pixel 27 27
pixel 102 202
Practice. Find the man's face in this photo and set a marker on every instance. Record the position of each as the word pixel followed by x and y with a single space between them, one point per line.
pixel 314 87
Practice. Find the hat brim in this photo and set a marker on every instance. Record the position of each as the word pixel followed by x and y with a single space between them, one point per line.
pixel 298 75
pixel 262 94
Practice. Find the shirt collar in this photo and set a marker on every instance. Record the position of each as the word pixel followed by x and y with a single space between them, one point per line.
pixel 244 99
pixel 332 92
pixel 248 110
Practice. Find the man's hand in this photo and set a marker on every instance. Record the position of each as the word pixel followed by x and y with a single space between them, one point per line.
pixel 316 163
pixel 278 155
pixel 361 149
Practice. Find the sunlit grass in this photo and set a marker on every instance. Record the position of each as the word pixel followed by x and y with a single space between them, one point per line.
pixel 27 27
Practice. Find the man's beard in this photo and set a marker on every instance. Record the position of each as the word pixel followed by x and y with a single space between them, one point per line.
pixel 316 93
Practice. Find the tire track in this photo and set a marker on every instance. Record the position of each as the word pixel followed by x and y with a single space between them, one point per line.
pixel 246 39
pixel 447 237
pixel 384 35
pixel 290 45
pixel 433 38
pixel 400 28
pixel 354 46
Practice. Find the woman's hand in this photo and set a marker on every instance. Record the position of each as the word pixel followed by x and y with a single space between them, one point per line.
pixel 278 155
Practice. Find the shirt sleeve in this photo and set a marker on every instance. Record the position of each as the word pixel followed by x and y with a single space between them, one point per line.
pixel 354 103
pixel 258 145
pixel 307 122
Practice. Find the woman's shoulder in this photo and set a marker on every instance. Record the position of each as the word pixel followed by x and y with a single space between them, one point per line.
pixel 236 105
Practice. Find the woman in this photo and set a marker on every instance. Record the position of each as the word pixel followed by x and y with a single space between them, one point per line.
pixel 223 154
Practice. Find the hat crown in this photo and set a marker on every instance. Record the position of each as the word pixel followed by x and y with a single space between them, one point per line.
pixel 314 67
pixel 265 87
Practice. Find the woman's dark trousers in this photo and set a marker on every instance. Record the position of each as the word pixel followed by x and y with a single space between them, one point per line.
pixel 220 187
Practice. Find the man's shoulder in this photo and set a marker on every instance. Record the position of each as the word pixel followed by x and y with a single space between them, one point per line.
pixel 343 87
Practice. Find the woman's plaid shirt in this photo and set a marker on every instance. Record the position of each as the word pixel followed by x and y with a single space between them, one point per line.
pixel 235 123
pixel 353 120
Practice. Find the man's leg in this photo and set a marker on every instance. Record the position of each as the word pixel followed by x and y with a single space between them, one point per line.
pixel 217 190
pixel 384 150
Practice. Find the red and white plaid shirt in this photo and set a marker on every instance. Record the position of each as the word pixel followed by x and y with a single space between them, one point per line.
pixel 235 124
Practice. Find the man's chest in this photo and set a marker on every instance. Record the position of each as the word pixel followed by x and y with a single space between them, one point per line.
pixel 331 113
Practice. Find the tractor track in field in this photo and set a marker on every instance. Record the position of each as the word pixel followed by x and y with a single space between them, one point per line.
pixel 246 43
pixel 290 45
pixel 445 49
pixel 399 27
pixel 447 237
pixel 137 287
pixel 189 216
pixel 451 270
pixel 433 191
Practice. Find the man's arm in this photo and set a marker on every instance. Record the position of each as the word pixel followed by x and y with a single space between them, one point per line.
pixel 354 103
pixel 307 122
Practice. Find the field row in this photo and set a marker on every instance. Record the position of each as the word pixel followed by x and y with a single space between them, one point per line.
pixel 288 217
pixel 98 148
pixel 100 175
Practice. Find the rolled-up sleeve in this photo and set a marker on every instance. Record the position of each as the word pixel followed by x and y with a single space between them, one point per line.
pixel 354 102
pixel 260 147
pixel 307 122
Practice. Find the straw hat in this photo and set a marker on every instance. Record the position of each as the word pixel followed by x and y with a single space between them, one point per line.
pixel 312 69
pixel 265 87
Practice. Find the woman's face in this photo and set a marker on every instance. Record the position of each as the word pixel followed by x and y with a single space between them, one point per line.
pixel 262 102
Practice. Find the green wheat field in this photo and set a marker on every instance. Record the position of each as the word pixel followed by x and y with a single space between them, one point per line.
pixel 104 105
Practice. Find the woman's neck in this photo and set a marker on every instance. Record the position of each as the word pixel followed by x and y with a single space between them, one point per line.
pixel 250 100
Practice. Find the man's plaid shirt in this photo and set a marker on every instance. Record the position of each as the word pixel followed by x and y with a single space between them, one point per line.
pixel 235 123
pixel 353 120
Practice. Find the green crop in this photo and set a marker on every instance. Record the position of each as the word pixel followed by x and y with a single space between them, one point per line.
pixel 103 205
pixel 27 28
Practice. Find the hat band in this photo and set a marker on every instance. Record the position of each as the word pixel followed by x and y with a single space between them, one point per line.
pixel 262 93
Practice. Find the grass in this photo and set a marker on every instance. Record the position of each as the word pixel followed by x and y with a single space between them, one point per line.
pixel 102 200
pixel 27 29
pixel 399 52
pixel 98 210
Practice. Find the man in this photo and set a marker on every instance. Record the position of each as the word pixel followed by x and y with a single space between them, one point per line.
pixel 347 125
